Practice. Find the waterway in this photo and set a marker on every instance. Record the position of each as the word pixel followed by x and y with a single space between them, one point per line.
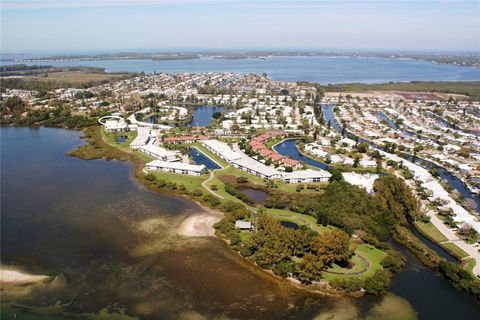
pixel 288 148
pixel 472 200
pixel 113 247
pixel 314 69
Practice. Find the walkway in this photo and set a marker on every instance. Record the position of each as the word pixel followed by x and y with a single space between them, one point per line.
pixel 204 184
pixel 365 268
pixel 452 237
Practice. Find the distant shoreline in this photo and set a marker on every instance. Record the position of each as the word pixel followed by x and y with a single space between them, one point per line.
pixel 456 59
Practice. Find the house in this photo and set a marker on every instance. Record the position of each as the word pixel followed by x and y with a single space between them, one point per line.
pixel 291 163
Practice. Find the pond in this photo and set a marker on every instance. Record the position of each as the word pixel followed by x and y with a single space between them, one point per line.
pixel 200 158
pixel 121 139
pixel 289 224
pixel 256 195
pixel 202 115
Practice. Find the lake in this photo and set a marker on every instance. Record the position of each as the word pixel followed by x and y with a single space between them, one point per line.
pixel 314 69
pixel 113 246
pixel 202 116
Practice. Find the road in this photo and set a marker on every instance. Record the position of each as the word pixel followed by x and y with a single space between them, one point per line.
pixel 471 250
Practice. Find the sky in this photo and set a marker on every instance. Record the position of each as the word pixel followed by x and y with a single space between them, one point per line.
pixel 148 25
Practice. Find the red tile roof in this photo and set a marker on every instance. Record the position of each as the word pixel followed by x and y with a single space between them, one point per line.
pixel 265 152
pixel 290 162
pixel 276 157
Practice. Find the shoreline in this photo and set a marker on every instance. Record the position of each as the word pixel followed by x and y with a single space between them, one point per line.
pixel 13 276
pixel 200 224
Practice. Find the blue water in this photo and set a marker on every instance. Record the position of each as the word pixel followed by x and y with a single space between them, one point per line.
pixel 289 148
pixel 199 158
pixel 64 215
pixel 288 224
pixel 202 115
pixel 314 69
pixel 121 139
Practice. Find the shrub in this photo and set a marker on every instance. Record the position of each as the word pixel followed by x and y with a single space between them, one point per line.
pixel 378 283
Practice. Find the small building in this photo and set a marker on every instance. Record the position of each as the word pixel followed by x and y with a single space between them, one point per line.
pixel 115 126
pixel 243 225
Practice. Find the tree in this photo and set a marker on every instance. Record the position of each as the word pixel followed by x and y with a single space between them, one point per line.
pixel 396 196
pixel 362 147
pixel 310 269
pixel 336 175
pixel 217 115
pixel 331 246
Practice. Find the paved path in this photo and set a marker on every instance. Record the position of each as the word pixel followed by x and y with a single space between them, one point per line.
pixel 204 184
pixel 471 250
pixel 365 269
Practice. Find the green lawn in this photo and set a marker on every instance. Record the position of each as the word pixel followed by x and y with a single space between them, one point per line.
pixel 470 263
pixel 191 183
pixel 298 218
pixel 110 137
pixel 374 257
pixel 358 266
pixel 430 231
pixel 245 235
pixel 454 250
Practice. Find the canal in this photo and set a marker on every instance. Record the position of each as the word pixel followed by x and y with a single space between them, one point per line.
pixel 472 200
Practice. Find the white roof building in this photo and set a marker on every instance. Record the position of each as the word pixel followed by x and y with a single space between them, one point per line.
pixel 175 167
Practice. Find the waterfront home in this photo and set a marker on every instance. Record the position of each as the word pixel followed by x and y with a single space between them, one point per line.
pixel 294 164
pixel 175 167
pixel 159 153
pixel 256 168
pixel 221 149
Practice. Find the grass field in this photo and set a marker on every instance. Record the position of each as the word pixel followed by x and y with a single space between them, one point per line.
pixel 454 250
pixel 298 218
pixel 471 89
pixel 374 257
pixel 469 264
pixel 191 183
pixel 109 138
pixel 430 231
